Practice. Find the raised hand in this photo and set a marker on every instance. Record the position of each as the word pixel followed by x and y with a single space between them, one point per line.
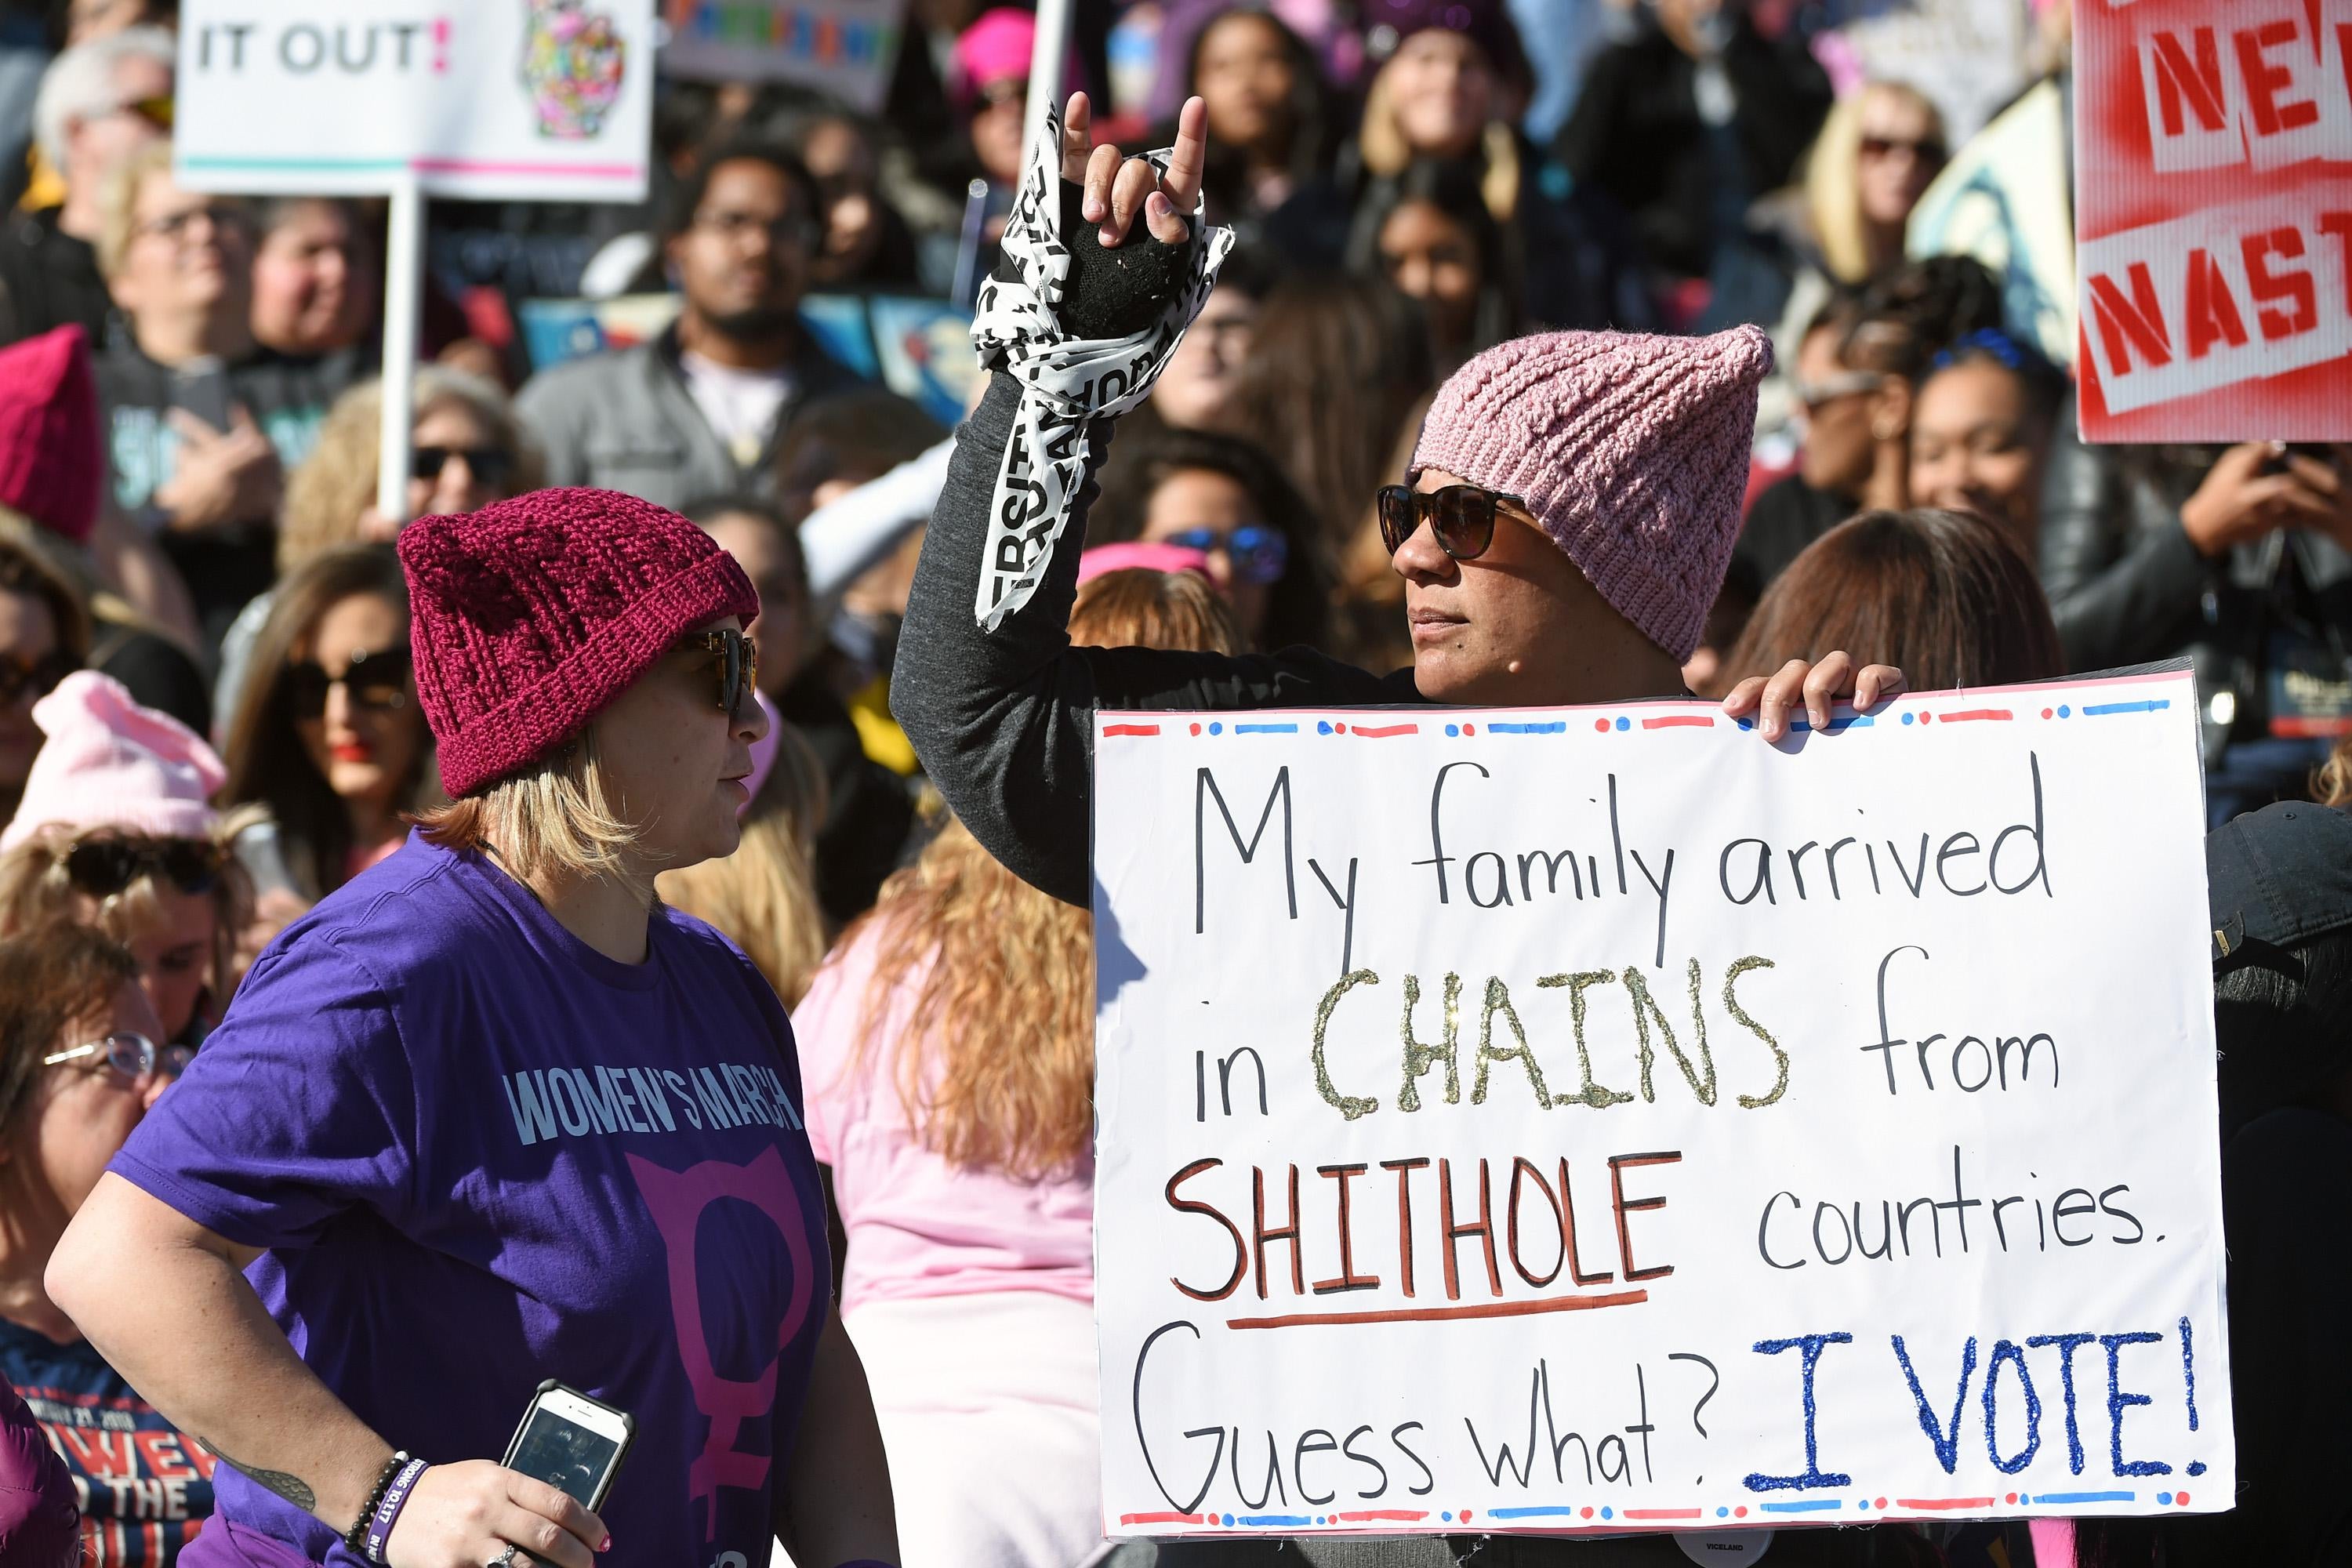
pixel 1118 187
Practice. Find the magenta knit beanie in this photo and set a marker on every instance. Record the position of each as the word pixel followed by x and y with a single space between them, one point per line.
pixel 1631 450
pixel 52 460
pixel 531 614
pixel 106 761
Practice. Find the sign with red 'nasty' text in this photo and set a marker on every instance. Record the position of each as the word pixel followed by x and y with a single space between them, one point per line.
pixel 2213 216
pixel 1597 1119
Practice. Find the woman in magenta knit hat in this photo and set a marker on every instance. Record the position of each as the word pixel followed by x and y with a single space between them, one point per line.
pixel 490 1114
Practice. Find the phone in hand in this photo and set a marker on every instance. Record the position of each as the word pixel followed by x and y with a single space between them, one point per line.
pixel 574 1443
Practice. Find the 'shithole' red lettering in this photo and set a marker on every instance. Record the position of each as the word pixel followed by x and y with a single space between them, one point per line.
pixel 1537 1233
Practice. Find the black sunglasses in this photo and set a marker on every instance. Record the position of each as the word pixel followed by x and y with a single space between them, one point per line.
pixel 105 867
pixel 1461 516
pixel 1927 149
pixel 37 679
pixel 738 665
pixel 377 681
pixel 489 465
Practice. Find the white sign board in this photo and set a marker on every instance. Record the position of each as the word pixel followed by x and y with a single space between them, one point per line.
pixel 492 100
pixel 844 49
pixel 1599 1118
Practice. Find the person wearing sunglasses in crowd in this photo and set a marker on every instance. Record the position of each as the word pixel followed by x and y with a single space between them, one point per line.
pixel 514 1112
pixel 329 737
pixel 117 830
pixel 1571 507
pixel 81 1065
pixel 699 410
pixel 1225 498
pixel 467 450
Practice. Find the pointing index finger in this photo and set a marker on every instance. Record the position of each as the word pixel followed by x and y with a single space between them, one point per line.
pixel 1189 156
pixel 1077 137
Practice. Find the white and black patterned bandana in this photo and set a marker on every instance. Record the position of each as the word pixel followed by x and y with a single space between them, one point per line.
pixel 1067 384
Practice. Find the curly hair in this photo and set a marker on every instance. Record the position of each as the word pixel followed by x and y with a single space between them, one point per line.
pixel 994 1060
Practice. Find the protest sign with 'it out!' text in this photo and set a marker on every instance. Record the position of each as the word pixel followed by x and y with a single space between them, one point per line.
pixel 1598 1118
pixel 2213 214
pixel 489 99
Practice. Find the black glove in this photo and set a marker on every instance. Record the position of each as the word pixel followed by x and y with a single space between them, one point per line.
pixel 1113 293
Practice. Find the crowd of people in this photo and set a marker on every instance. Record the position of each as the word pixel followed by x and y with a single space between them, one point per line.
pixel 1571 351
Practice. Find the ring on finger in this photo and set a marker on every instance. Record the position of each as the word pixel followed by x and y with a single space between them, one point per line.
pixel 505 1559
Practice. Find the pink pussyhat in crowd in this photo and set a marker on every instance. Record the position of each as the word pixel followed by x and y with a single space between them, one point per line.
pixel 1143 555
pixel 1631 451
pixel 109 762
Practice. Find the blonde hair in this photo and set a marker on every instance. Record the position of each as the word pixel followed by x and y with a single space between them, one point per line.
pixel 118 203
pixel 764 895
pixel 329 489
pixel 36 889
pixel 1380 142
pixel 2331 783
pixel 558 819
pixel 995 1059
pixel 1833 186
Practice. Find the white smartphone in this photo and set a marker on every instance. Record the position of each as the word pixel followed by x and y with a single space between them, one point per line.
pixel 572 1442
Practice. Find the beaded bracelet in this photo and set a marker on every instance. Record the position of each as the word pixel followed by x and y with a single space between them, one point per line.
pixel 356 1536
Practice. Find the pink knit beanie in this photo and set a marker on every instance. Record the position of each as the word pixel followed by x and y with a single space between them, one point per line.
pixel 109 763
pixel 529 617
pixel 1631 450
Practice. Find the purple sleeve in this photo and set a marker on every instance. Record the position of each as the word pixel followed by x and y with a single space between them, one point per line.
pixel 302 1105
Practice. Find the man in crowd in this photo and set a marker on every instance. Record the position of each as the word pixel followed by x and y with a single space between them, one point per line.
pixel 698 410
pixel 100 104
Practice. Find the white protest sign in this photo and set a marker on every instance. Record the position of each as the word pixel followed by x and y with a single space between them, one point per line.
pixel 1598 1118
pixel 490 100
pixel 844 49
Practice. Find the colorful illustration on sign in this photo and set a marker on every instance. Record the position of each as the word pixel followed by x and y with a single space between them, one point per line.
pixel 573 59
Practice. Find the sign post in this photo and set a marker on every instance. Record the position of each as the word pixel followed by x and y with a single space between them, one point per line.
pixel 403 275
pixel 494 100
pixel 2213 211
pixel 1592 1119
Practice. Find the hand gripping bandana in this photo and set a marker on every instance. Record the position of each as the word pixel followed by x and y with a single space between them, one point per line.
pixel 1067 384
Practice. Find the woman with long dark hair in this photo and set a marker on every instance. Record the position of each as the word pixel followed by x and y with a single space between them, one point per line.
pixel 1270 129
pixel 1429 232
pixel 329 735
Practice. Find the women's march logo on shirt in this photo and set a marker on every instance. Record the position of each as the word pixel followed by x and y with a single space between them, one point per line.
pixel 591 1102
pixel 677 1201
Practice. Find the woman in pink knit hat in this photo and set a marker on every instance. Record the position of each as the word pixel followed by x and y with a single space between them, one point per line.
pixel 1571 507
pixel 493 1114
pixel 117 830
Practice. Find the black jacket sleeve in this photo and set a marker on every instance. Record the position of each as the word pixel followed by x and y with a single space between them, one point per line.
pixel 2124 584
pixel 1003 721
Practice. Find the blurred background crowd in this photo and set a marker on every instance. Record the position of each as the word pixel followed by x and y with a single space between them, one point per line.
pixel 208 718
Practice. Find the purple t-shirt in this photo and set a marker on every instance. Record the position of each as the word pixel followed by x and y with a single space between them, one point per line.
pixel 481 1154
